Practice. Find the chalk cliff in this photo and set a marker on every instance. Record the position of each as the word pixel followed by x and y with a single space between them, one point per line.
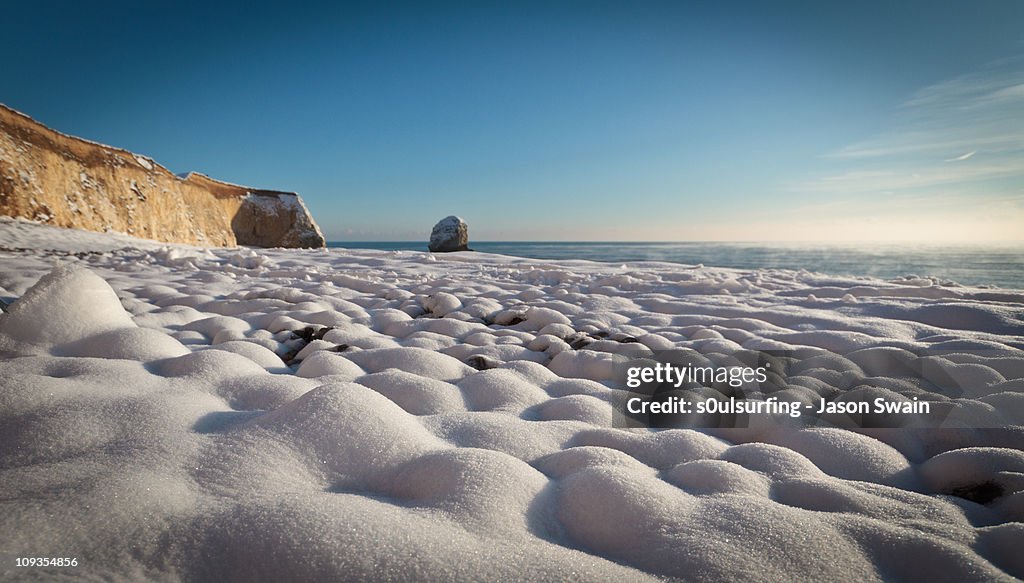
pixel 66 181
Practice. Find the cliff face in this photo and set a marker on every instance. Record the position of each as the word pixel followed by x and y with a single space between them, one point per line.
pixel 65 181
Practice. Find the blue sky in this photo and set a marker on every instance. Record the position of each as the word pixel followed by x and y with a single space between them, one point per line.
pixel 560 120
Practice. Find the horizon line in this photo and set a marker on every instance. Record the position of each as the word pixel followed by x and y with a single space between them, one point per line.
pixel 1007 242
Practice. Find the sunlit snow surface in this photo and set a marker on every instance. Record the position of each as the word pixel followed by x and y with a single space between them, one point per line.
pixel 150 428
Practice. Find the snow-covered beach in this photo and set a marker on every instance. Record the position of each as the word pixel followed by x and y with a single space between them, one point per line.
pixel 182 413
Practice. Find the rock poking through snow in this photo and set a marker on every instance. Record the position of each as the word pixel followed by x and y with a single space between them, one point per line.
pixel 450 234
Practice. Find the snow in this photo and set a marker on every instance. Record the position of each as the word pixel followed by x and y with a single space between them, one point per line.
pixel 173 412
pixel 271 204
pixel 144 162
pixel 65 306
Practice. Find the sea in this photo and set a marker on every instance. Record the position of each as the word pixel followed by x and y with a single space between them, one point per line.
pixel 999 266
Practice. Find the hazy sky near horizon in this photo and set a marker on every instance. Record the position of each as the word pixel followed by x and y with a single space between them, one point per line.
pixel 874 120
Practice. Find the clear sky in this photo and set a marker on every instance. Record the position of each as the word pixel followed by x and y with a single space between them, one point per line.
pixel 717 120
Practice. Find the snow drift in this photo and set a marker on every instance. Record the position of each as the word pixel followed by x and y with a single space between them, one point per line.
pixel 183 413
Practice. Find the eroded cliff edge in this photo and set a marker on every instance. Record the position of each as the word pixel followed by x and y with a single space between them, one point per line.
pixel 65 181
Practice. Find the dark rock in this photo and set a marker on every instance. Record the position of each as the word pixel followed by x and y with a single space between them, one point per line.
pixel 449 234
pixel 311 333
pixel 982 493
pixel 579 340
pixel 481 362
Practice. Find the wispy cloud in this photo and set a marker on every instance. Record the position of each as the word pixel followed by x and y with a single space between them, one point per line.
pixel 991 83
pixel 966 132
pixel 962 157
pixel 910 177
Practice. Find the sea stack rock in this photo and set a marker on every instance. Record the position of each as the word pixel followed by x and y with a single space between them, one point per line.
pixel 449 234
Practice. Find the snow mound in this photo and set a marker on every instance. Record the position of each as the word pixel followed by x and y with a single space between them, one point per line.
pixel 174 413
pixel 67 305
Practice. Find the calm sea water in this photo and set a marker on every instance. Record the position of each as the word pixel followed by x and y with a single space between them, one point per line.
pixel 1001 266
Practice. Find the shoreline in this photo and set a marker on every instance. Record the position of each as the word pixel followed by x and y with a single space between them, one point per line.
pixel 998 266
